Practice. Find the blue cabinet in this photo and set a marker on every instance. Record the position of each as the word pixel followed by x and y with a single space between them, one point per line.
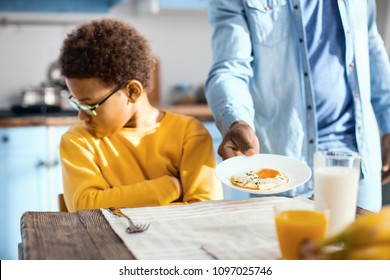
pixel 30 179
pixel 229 193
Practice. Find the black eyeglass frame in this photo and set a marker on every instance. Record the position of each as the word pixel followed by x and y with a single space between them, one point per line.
pixel 91 109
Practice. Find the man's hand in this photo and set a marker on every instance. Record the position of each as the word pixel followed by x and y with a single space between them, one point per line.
pixel 385 159
pixel 240 139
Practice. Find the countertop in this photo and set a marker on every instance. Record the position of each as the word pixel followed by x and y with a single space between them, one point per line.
pixel 69 117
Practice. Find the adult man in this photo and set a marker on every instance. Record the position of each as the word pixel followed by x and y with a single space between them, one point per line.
pixel 301 76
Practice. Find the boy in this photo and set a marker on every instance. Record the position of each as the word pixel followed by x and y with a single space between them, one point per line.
pixel 127 153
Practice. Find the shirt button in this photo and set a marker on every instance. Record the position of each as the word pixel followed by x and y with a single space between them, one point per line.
pixel 352 65
pixel 267 8
pixel 296 7
pixel 356 94
pixel 306 74
pixel 311 141
pixel 300 40
pixel 309 107
pixel 360 127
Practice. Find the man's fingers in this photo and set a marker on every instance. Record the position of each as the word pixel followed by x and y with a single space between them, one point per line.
pixel 228 149
pixel 386 181
pixel 250 152
pixel 248 145
pixel 385 159
pixel 385 173
pixel 240 139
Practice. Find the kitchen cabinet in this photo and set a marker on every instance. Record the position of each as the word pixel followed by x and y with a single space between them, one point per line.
pixel 30 176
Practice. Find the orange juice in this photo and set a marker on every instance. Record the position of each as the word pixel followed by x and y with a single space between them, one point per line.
pixel 295 226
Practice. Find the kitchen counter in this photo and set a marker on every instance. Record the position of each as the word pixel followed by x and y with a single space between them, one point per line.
pixel 201 112
pixel 10 119
pixel 69 117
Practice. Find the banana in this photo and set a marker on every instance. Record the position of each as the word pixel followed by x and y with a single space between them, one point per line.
pixel 368 229
pixel 372 252
pixel 367 238
pixel 369 252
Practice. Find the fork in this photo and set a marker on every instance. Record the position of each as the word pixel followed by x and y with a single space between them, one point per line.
pixel 133 228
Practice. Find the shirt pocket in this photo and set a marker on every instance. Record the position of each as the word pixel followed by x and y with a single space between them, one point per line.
pixel 268 20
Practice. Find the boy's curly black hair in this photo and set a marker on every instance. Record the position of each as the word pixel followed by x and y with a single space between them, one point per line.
pixel 109 50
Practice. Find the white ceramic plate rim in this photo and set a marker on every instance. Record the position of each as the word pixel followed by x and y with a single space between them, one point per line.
pixel 297 171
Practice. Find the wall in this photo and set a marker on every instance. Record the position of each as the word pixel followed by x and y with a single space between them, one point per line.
pixel 181 40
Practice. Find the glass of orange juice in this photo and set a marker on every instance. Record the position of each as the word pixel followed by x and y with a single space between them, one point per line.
pixel 297 223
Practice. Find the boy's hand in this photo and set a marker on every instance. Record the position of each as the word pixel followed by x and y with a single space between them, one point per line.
pixel 240 139
pixel 179 188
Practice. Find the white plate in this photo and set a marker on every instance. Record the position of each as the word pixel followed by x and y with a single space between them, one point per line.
pixel 297 171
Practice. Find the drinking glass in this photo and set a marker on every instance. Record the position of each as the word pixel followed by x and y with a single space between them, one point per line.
pixel 336 183
pixel 296 224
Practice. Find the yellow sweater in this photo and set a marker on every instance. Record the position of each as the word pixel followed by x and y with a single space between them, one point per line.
pixel 131 168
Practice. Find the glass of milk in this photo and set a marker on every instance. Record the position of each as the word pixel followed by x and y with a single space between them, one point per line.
pixel 336 183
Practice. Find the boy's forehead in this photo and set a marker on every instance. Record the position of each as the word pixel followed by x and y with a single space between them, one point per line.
pixel 85 89
pixel 84 83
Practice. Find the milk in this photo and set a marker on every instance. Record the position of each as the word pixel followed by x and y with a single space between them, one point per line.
pixel 336 188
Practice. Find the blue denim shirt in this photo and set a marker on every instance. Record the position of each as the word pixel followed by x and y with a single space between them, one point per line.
pixel 261 74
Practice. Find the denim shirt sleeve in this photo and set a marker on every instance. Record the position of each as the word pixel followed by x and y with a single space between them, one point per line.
pixel 227 90
pixel 379 72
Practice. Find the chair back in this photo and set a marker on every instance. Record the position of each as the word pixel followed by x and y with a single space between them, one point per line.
pixel 61 203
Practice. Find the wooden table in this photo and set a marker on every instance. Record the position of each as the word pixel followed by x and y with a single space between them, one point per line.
pixel 73 236
pixel 70 236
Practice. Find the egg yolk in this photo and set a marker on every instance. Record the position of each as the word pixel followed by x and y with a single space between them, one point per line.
pixel 268 173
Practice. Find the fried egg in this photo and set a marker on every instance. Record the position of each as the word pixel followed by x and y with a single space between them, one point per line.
pixel 264 179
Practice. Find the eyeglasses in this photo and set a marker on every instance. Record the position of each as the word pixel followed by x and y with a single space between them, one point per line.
pixel 91 109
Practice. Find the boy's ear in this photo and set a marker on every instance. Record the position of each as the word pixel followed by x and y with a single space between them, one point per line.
pixel 134 90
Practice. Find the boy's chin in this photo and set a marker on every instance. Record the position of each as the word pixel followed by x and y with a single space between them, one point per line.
pixel 98 134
